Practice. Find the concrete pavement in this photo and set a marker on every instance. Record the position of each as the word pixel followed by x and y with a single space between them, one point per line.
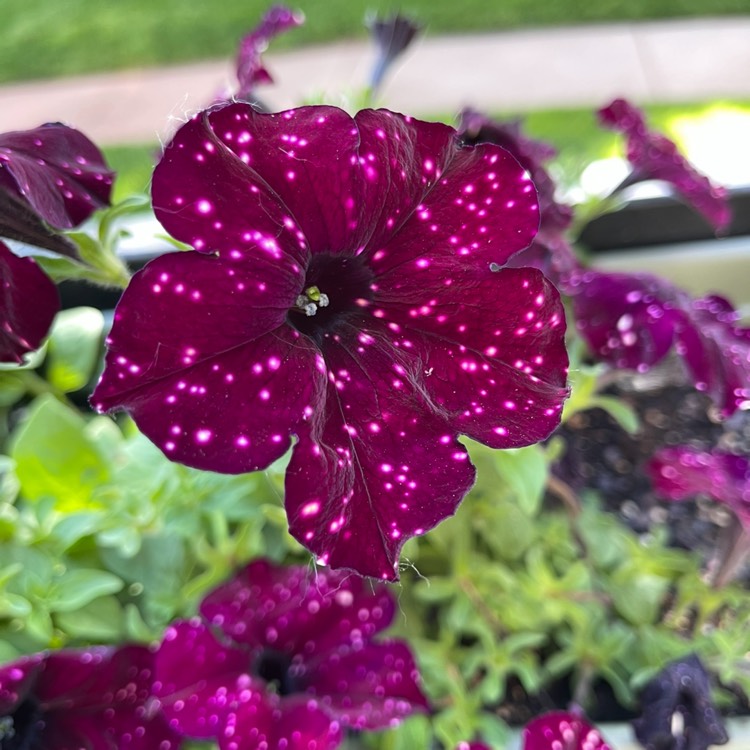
pixel 513 71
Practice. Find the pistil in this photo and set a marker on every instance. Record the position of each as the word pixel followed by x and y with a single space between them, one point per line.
pixel 311 300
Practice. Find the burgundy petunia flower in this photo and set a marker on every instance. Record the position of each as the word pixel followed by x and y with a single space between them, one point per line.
pixel 28 304
pixel 250 69
pixel 52 174
pixel 393 36
pixel 346 289
pixel 560 730
pixel 98 699
pixel 683 472
pixel 472 746
pixel 285 656
pixel 632 321
pixel 681 688
pixel 654 157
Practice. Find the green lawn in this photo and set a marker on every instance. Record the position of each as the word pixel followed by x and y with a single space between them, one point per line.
pixel 61 37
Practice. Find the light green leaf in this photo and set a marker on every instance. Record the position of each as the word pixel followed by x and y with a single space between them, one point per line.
pixel 525 471
pixel 55 459
pixel 99 620
pixel 621 412
pixel 74 346
pixel 77 587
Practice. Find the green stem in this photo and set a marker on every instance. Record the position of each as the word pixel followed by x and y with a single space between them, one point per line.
pixel 38 386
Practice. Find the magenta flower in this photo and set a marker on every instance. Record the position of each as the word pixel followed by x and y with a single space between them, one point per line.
pixel 654 157
pixel 560 730
pixel 285 656
pixel 346 288
pixel 28 304
pixel 99 698
pixel 472 746
pixel 51 175
pixel 683 472
pixel 250 69
pixel 633 321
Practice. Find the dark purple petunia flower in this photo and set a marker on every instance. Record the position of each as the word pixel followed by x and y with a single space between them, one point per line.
pixel 654 157
pixel 681 689
pixel 285 656
pixel 392 35
pixel 632 321
pixel 98 699
pixel 472 746
pixel 250 69
pixel 52 173
pixel 561 730
pixel 347 289
pixel 683 472
pixel 28 304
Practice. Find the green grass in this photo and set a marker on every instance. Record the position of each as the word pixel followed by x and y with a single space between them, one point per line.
pixel 44 38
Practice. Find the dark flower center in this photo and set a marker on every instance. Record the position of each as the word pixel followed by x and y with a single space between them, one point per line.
pixel 275 668
pixel 335 288
pixel 20 730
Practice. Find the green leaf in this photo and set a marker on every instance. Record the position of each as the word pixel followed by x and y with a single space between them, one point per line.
pixel 12 388
pixel 76 588
pixel 525 471
pixel 74 346
pixel 622 413
pixel 55 458
pixel 14 605
pixel 414 732
pixel 99 620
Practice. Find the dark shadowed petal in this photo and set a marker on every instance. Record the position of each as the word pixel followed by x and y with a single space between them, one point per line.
pixel 682 687
pixel 475 127
pixel 717 352
pixel 200 681
pixel 28 303
pixel 379 465
pixel 308 158
pixel 655 157
pixel 628 320
pixel 683 472
pixel 250 69
pixel 401 159
pixel 553 255
pixel 298 610
pixel 296 724
pixel 204 194
pixel 370 686
pixel 102 698
pixel 17 681
pixel 57 170
pixel 200 357
pixel 491 345
pixel 482 210
pixel 562 731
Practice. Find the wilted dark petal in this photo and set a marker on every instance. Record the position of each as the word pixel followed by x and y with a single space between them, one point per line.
pixel 297 724
pixel 717 352
pixel 250 70
pixel 628 320
pixel 475 127
pixel 401 160
pixel 490 345
pixel 17 681
pixel 298 611
pixel 379 464
pixel 28 304
pixel 308 158
pixel 232 410
pixel 483 210
pixel 655 157
pixel 392 35
pixel 683 472
pixel 682 687
pixel 369 686
pixel 200 681
pixel 204 194
pixel 58 170
pixel 562 731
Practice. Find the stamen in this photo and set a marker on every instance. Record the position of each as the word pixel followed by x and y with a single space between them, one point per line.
pixel 311 300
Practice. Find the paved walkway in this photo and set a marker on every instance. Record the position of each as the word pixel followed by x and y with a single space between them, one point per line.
pixel 684 60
